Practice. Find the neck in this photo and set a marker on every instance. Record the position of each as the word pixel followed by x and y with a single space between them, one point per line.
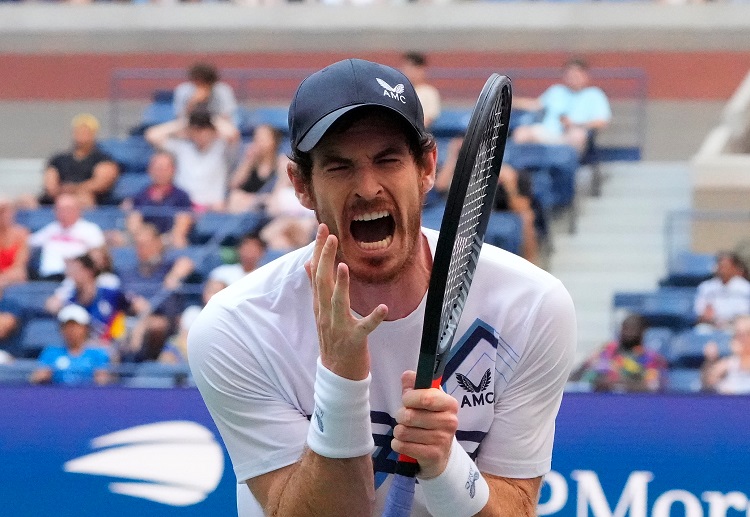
pixel 402 295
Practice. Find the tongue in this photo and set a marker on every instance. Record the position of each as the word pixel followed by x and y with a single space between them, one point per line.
pixel 371 231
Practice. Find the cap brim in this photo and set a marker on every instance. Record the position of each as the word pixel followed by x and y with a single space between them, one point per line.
pixel 313 136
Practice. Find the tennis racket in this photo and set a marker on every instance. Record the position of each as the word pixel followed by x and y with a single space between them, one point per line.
pixel 462 230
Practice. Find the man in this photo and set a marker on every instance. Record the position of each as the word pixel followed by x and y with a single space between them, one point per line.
pixel 626 365
pixel 101 298
pixel 76 362
pixel 725 296
pixel 571 110
pixel 731 374
pixel 414 67
pixel 162 203
pixel 68 236
pixel 204 90
pixel 250 251
pixel 203 150
pixel 328 333
pixel 141 282
pixel 84 171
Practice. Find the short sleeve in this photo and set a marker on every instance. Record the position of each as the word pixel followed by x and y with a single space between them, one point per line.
pixel 261 428
pixel 519 443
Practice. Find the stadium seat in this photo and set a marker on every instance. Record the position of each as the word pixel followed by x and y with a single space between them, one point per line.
pixel 451 123
pixel 36 218
pixel 128 185
pixel 205 258
pixel 156 375
pixel 658 339
pixel 107 217
pixel 689 269
pixel 225 229
pixel 38 333
pixel 158 112
pixel 275 116
pixel 123 258
pixel 132 154
pixel 31 296
pixel 669 308
pixel 504 230
pixel 17 372
pixel 686 349
pixel 683 380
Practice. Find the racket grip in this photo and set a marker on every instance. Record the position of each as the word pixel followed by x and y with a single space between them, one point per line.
pixel 400 498
pixel 407 466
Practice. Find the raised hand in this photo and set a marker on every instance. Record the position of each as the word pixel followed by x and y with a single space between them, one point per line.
pixel 425 426
pixel 342 336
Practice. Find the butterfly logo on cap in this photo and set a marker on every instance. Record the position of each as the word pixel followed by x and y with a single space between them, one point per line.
pixel 394 92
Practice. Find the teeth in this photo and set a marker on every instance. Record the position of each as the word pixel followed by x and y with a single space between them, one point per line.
pixel 370 216
pixel 376 245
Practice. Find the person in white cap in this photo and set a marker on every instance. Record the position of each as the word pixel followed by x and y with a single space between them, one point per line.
pixel 306 364
pixel 76 362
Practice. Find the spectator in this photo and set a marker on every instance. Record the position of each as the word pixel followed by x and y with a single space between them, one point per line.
pixel 78 362
pixel 626 365
pixel 153 273
pixel 162 204
pixel 725 296
pixel 250 251
pixel 106 278
pixel 292 225
pixel 67 237
pixel 205 91
pixel 203 150
pixel 514 194
pixel 571 110
pixel 85 171
pixel 102 299
pixel 14 246
pixel 414 67
pixel 262 163
pixel 729 375
pixel 11 319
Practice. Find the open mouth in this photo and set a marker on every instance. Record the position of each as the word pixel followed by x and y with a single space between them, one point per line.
pixel 373 230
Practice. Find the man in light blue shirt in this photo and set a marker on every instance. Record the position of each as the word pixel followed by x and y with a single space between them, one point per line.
pixel 571 110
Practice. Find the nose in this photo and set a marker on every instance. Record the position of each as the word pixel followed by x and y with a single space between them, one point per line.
pixel 368 184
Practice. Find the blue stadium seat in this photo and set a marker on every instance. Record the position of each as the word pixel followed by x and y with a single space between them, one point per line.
pixel 451 123
pixel 686 349
pixel 689 269
pixel 504 230
pixel 669 308
pixel 205 259
pixel 107 217
pixel 433 215
pixel 17 372
pixel 132 153
pixel 123 258
pixel 629 301
pixel 31 296
pixel 157 375
pixel 35 219
pixel 271 255
pixel 128 185
pixel 223 228
pixel 683 380
pixel 275 116
pixel 38 333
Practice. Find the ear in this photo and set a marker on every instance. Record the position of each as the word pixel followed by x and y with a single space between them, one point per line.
pixel 429 172
pixel 301 188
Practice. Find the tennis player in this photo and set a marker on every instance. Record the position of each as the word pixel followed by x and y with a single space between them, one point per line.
pixel 305 364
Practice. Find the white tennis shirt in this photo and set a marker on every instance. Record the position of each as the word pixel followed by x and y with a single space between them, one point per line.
pixel 254 347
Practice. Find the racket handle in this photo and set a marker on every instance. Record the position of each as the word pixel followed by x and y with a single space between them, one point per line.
pixel 407 466
pixel 400 498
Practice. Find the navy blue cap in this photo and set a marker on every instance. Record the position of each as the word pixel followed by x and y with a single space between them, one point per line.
pixel 328 94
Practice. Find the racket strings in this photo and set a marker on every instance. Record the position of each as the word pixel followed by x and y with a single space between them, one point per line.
pixel 468 242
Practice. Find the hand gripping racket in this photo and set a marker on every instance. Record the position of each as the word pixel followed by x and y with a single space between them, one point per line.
pixel 462 229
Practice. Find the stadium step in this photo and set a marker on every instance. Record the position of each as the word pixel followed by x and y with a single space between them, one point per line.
pixel 620 242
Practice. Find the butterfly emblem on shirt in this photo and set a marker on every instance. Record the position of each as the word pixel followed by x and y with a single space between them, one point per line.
pixel 319 418
pixel 394 92
pixel 471 483
pixel 478 394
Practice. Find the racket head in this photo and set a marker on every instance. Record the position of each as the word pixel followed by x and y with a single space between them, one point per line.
pixel 463 226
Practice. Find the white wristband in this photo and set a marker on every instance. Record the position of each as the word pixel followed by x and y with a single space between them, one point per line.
pixel 340 424
pixel 459 491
